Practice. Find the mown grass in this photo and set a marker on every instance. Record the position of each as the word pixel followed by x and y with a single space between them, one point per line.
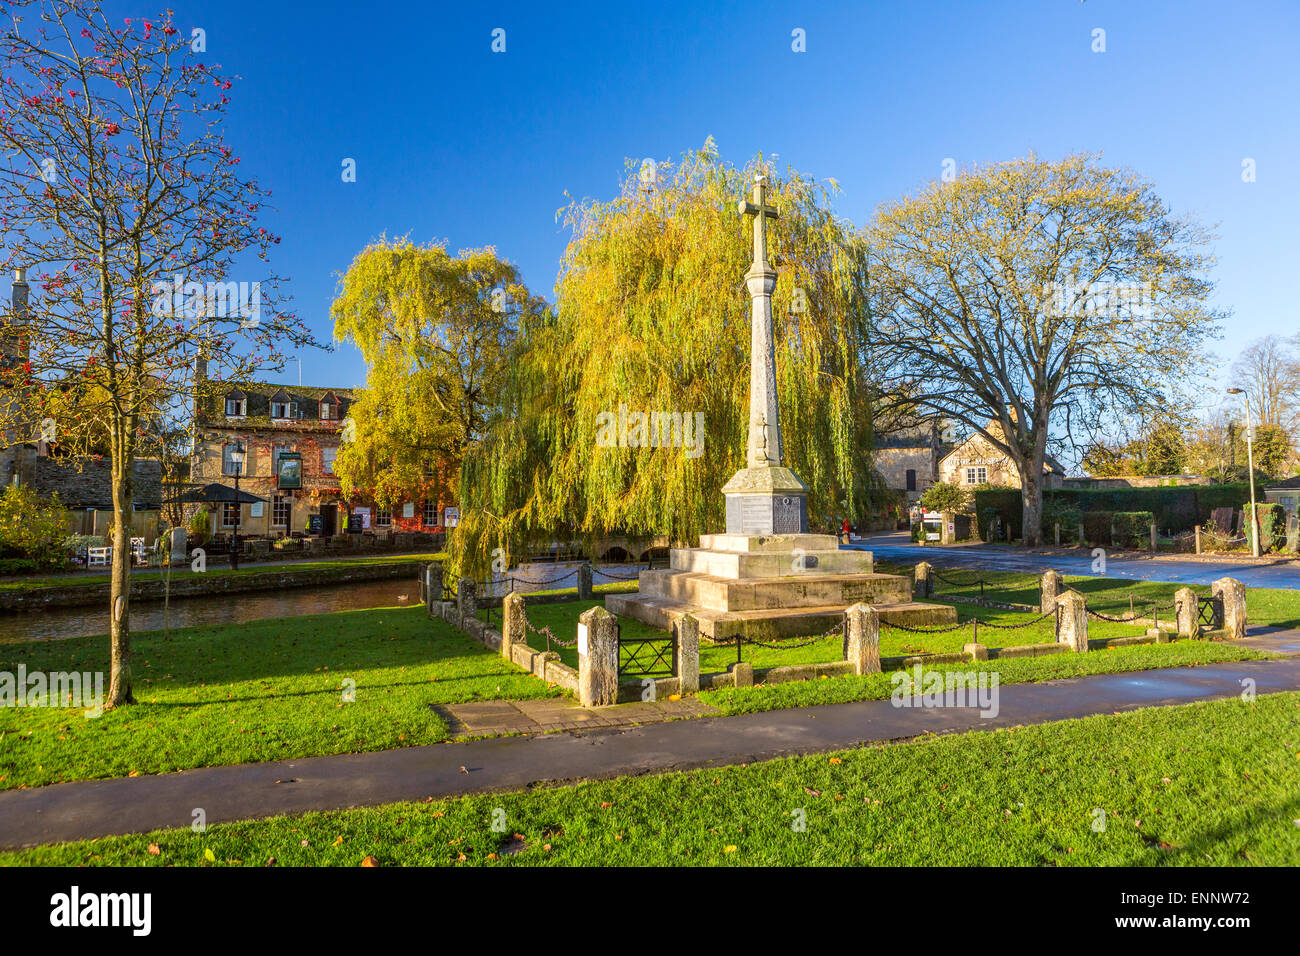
pixel 1113 660
pixel 256 691
pixel 85 580
pixel 1213 784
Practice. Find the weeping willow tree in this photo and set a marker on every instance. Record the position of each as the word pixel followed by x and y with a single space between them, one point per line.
pixel 652 317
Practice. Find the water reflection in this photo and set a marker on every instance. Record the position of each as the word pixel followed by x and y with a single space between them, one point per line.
pixel 219 609
pixel 57 623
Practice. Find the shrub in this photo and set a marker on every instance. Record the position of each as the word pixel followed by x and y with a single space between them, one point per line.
pixel 1272 526
pixel 200 525
pixel 18 566
pixel 1131 529
pixel 1096 527
pixel 33 527
pixel 1060 511
pixel 946 497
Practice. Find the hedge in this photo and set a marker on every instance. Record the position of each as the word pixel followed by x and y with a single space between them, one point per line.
pixel 1176 508
pixel 1131 529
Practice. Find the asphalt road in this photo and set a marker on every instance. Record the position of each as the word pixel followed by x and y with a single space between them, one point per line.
pixel 898 548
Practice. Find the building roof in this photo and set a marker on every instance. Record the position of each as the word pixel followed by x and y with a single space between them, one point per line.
pixel 87 482
pixel 259 396
pixel 1050 462
pixel 1288 483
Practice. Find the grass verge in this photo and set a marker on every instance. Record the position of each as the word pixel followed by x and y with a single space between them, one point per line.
pixel 1199 784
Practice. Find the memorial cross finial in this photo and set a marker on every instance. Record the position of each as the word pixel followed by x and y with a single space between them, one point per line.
pixel 761 211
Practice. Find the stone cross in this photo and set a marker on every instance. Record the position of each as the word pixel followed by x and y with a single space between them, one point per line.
pixel 761 211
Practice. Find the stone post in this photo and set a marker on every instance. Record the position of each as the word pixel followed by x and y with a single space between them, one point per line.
pixel 862 639
pixel 177 554
pixel 1155 538
pixel 1057 532
pixel 1292 532
pixel 1074 621
pixel 1051 588
pixel 584 581
pixel 922 581
pixel 688 654
pixel 597 658
pixel 1231 594
pixel 1198 538
pixel 1187 613
pixel 466 601
pixel 512 624
pixel 432 584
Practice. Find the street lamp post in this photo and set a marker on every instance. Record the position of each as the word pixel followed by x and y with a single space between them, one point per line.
pixel 236 459
pixel 1250 463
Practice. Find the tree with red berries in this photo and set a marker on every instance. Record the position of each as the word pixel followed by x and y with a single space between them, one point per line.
pixel 121 197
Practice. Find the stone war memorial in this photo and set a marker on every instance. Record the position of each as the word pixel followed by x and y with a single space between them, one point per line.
pixel 766 576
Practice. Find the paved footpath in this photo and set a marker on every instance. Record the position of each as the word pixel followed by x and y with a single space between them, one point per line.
pixel 72 811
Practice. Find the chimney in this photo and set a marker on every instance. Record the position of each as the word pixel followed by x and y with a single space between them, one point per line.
pixel 15 343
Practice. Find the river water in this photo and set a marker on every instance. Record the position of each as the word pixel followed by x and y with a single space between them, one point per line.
pixel 221 609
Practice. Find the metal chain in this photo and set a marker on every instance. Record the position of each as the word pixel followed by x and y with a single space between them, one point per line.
pixel 1016 627
pixel 789 643
pixel 547 633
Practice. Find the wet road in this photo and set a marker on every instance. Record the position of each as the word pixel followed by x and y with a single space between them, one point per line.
pixel 898 548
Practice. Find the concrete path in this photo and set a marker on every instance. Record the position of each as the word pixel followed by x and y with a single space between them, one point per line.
pixel 90 809
pixel 898 548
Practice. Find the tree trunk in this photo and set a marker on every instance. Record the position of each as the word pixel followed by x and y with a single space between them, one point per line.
pixel 1031 495
pixel 119 688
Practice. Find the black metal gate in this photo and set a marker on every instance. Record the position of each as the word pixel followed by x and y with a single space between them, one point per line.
pixel 1208 611
pixel 647 656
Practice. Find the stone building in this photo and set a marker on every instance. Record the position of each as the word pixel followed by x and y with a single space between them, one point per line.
pixel 290 435
pixel 908 460
pixel 977 461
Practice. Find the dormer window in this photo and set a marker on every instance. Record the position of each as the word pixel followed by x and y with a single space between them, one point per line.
pixel 236 404
pixel 283 406
pixel 329 407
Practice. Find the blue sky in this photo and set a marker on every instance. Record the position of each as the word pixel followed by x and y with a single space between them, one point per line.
pixel 455 142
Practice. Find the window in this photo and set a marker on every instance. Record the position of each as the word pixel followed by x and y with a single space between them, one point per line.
pixel 276 452
pixel 977 476
pixel 430 514
pixel 911 479
pixel 236 406
pixel 229 514
pixel 383 517
pixel 326 411
pixel 280 505
pixel 327 456
pixel 284 410
pixel 227 465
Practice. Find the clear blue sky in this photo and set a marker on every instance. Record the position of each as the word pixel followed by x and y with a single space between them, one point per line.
pixel 455 142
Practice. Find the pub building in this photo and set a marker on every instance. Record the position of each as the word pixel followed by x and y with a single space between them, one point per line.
pixel 290 435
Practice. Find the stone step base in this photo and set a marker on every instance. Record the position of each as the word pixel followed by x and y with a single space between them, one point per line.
pixel 769 623
pixel 770 563
pixel 720 593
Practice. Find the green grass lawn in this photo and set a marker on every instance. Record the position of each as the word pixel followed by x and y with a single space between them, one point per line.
pixel 84 580
pixel 261 690
pixel 1199 784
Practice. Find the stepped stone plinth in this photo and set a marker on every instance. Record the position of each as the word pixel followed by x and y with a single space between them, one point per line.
pixel 765 586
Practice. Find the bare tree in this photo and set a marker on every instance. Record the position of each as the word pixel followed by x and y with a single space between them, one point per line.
pixel 1269 370
pixel 117 188
pixel 1041 298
